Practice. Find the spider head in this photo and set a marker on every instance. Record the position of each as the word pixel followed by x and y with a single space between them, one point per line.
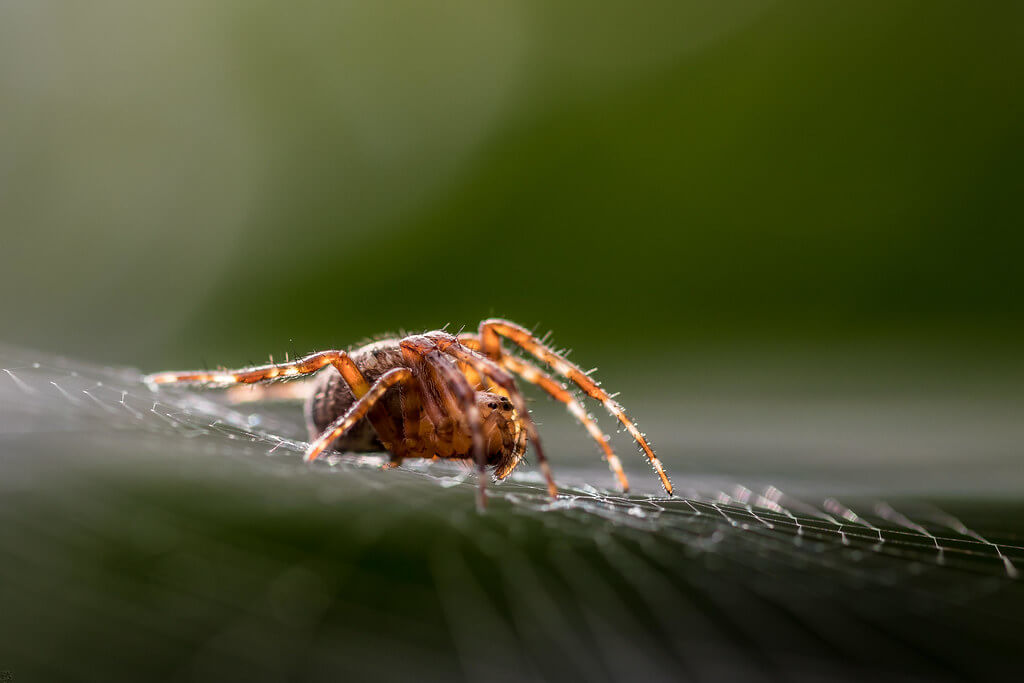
pixel 504 436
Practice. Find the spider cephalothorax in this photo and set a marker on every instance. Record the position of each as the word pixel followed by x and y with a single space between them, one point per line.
pixel 435 395
pixel 504 436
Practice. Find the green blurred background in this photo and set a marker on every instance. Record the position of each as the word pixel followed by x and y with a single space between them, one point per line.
pixel 212 182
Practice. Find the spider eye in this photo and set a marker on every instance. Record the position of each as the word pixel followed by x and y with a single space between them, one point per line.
pixel 492 405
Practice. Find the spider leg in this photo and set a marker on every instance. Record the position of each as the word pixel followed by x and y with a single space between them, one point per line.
pixel 534 375
pixel 412 421
pixel 356 412
pixel 479 383
pixel 490 333
pixel 263 373
pixel 432 404
pixel 298 368
pixel 254 393
pixel 492 371
pixel 458 384
pixel 457 393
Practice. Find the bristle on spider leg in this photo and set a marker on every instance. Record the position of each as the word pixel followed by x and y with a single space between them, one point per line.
pixel 579 412
pixel 617 411
pixel 355 413
pixel 558 391
pixel 522 338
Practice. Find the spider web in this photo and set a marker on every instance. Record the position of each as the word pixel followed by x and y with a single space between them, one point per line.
pixel 187 527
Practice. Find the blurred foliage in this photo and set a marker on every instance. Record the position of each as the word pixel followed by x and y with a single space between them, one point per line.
pixel 221 180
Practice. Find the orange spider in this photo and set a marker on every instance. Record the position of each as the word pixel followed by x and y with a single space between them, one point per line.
pixel 435 395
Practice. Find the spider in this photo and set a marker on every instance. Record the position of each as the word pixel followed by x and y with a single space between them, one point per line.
pixel 435 395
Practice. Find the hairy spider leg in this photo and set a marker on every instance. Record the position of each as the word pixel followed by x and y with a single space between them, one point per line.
pixel 308 365
pixel 490 332
pixel 454 390
pixel 356 412
pixel 487 368
pixel 254 393
pixel 264 373
pixel 480 383
pixel 459 385
pixel 433 406
pixel 413 425
pixel 558 391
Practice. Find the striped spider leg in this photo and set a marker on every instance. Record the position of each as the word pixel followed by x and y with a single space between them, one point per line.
pixel 534 375
pixel 490 333
pixel 307 365
pixel 357 412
